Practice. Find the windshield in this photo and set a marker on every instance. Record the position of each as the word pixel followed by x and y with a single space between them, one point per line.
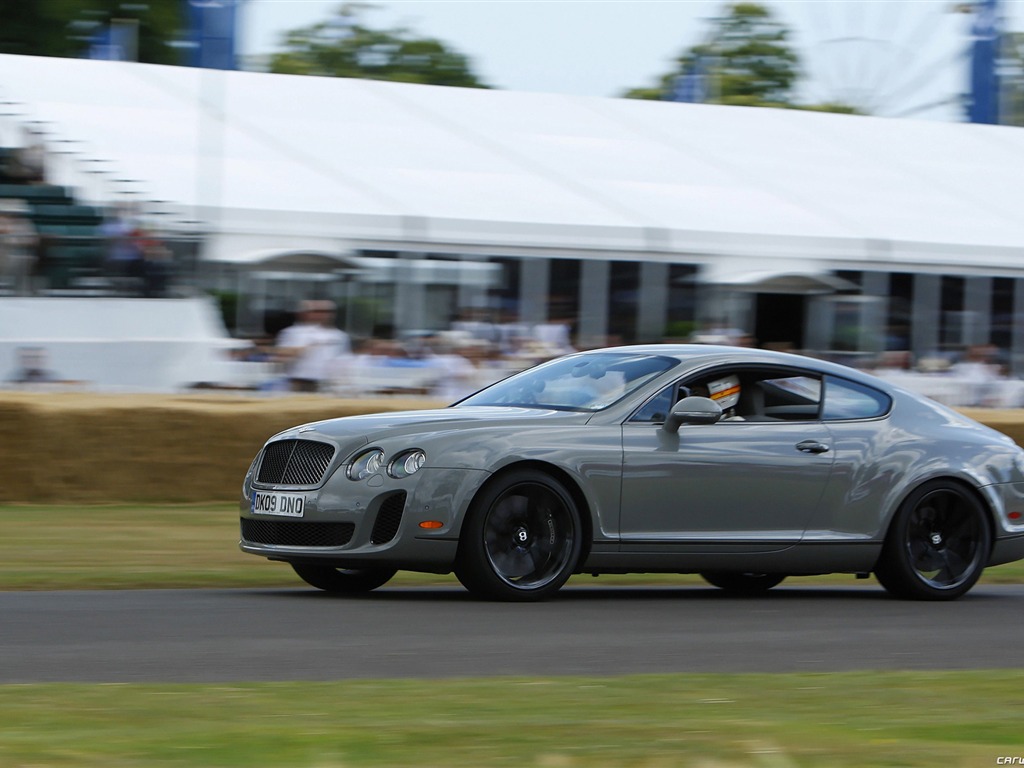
pixel 586 382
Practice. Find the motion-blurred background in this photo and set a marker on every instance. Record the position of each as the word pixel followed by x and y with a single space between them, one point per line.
pixel 464 189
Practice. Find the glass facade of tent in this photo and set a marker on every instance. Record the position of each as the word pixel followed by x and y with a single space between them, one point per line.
pixel 853 316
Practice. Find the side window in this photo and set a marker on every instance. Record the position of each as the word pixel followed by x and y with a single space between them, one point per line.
pixel 744 395
pixel 790 398
pixel 849 400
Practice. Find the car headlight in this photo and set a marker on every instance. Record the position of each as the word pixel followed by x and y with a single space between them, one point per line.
pixel 366 464
pixel 406 463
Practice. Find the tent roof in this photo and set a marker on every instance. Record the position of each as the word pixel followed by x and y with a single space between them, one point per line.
pixel 314 163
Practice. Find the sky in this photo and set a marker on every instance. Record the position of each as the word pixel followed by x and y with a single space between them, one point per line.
pixel 891 57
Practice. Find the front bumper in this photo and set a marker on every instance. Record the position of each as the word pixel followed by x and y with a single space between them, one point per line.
pixel 375 522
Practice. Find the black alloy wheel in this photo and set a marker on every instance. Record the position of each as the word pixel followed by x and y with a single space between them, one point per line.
pixel 938 544
pixel 345 581
pixel 521 540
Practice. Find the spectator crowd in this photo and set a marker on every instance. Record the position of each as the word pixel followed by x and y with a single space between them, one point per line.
pixel 313 355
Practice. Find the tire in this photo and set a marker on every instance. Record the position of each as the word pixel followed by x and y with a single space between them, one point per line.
pixel 521 540
pixel 938 544
pixel 744 583
pixel 343 581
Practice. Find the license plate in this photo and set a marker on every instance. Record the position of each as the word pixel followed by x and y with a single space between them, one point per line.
pixel 282 504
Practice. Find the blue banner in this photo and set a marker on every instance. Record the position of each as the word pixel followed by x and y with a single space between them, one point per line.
pixel 116 42
pixel 986 35
pixel 212 33
pixel 692 86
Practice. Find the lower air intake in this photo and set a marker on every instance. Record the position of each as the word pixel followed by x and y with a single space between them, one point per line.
pixel 389 517
pixel 285 533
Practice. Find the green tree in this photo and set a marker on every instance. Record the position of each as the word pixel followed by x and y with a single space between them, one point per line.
pixel 344 46
pixel 65 27
pixel 747 60
pixel 1012 88
pixel 37 28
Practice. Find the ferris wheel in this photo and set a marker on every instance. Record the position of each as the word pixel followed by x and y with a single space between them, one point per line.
pixel 890 58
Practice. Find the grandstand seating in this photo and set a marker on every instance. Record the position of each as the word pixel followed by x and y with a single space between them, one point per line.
pixel 71 248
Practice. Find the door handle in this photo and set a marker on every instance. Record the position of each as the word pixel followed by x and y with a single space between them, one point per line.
pixel 812 446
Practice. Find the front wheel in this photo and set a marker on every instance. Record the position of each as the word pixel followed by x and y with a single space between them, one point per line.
pixel 744 583
pixel 344 581
pixel 521 540
pixel 938 544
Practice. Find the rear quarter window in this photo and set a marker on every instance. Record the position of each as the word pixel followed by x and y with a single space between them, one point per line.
pixel 849 400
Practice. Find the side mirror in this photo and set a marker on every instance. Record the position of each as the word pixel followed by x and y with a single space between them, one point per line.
pixel 692 410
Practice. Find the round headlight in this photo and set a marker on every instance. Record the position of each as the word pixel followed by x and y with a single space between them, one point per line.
pixel 366 464
pixel 406 463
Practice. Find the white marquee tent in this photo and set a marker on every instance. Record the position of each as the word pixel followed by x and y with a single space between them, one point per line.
pixel 276 168
pixel 274 161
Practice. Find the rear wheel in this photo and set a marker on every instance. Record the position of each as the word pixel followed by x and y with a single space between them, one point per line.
pixel 521 540
pixel 938 544
pixel 743 583
pixel 343 580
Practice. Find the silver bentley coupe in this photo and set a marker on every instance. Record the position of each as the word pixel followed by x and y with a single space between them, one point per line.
pixel 741 465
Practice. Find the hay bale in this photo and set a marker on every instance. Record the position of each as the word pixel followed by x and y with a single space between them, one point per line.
pixel 1008 421
pixel 93 448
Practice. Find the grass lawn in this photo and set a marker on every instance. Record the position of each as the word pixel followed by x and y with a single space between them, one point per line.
pixel 710 721
pixel 149 547
pixel 922 719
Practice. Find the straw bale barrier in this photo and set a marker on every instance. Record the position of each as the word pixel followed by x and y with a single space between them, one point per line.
pixel 71 448
pixel 64 447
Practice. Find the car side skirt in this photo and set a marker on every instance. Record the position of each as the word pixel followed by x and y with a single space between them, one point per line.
pixel 844 557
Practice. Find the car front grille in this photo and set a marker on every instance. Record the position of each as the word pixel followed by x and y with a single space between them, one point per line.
pixel 389 517
pixel 294 462
pixel 287 533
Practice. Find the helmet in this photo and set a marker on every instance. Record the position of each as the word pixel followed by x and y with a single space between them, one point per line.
pixel 725 391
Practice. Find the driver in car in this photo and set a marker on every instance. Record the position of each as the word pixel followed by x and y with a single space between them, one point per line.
pixel 725 391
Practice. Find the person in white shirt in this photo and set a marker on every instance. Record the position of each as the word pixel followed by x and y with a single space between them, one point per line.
pixel 555 336
pixel 311 347
pixel 455 374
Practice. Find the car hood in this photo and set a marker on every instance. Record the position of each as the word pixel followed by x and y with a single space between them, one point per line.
pixel 352 431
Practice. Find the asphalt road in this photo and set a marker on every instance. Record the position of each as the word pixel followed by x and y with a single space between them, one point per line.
pixel 299 634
